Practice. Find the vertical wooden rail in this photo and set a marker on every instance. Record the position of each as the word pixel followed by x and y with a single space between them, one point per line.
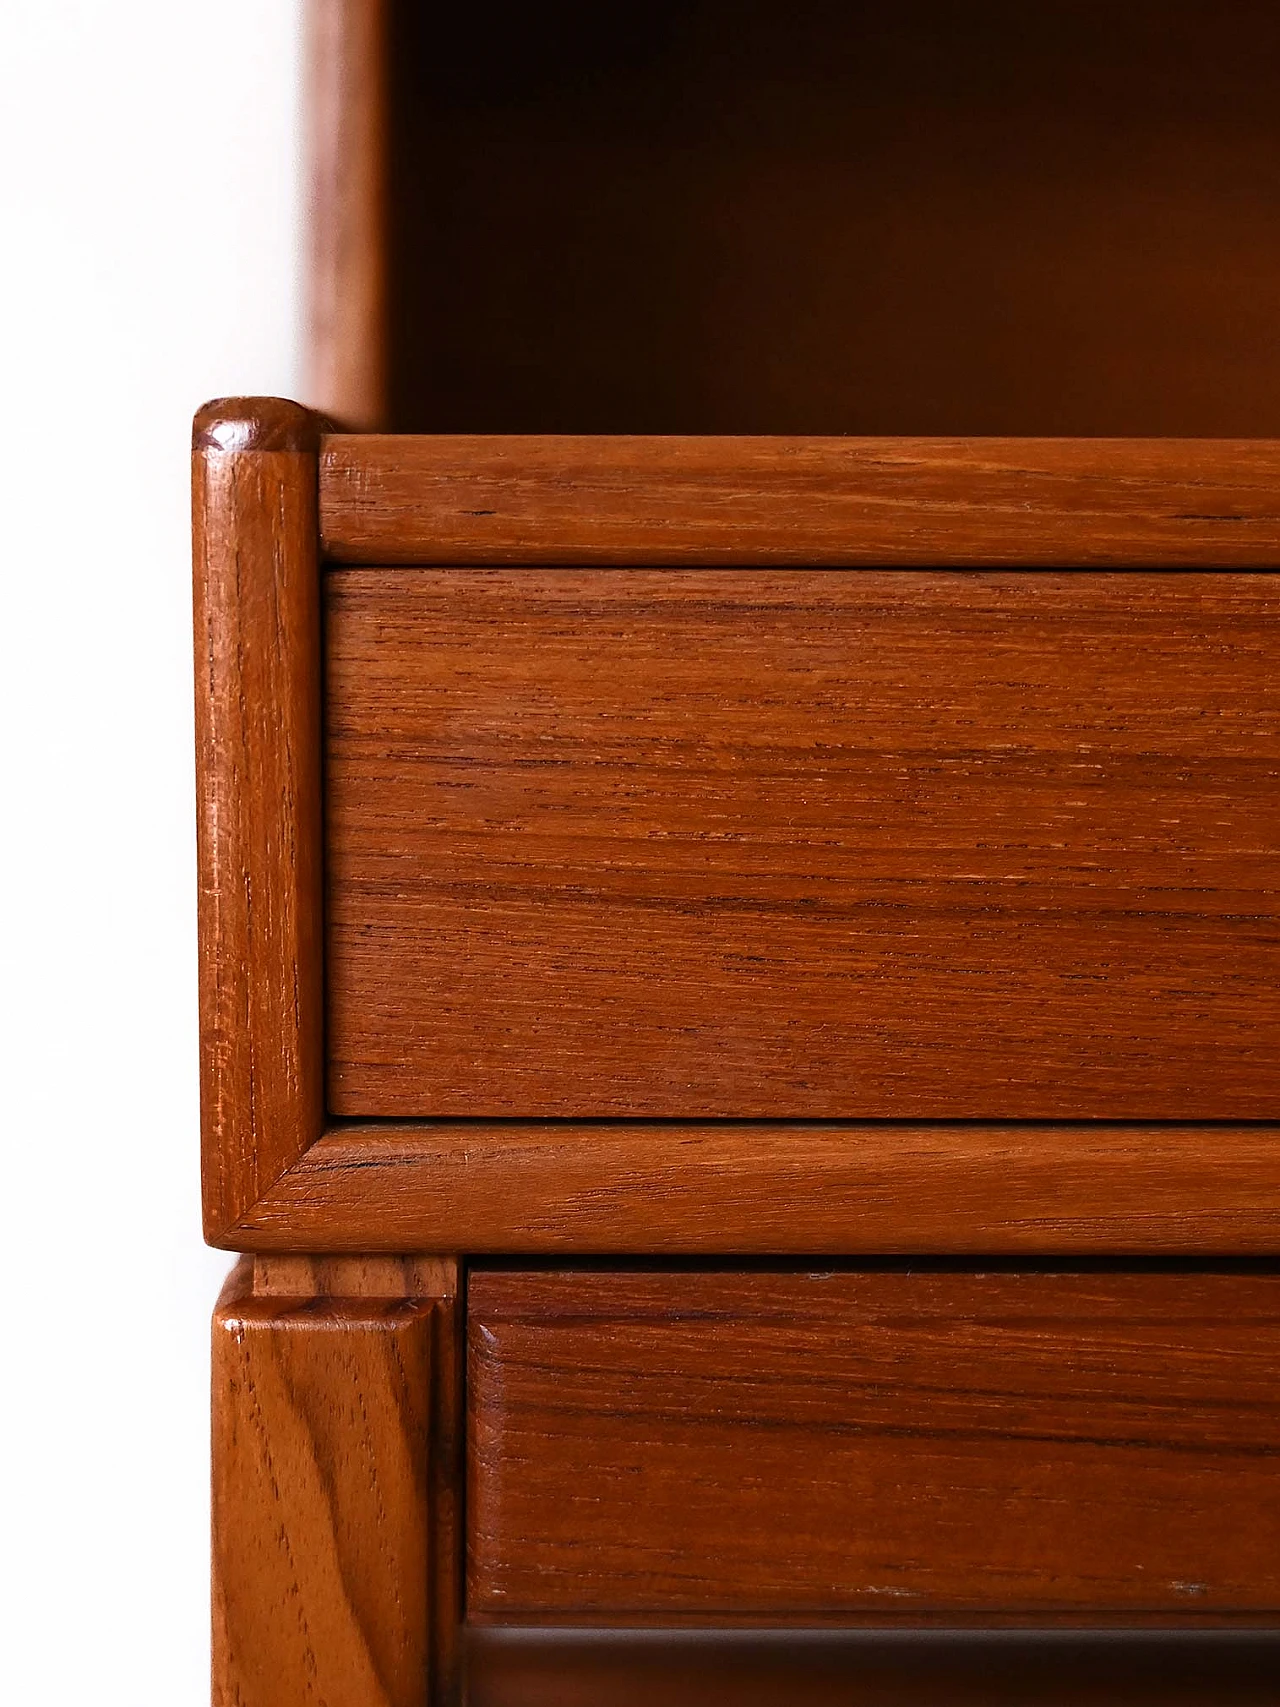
pixel 258 741
pixel 349 61
pixel 324 1483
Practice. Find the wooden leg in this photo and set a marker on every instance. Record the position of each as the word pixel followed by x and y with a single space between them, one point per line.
pixel 327 1378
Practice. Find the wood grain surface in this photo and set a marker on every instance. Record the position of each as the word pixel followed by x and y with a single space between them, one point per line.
pixel 287 1275
pixel 348 119
pixel 677 1188
pixel 322 1500
pixel 657 1443
pixel 257 671
pixel 786 844
pixel 516 1667
pixel 965 503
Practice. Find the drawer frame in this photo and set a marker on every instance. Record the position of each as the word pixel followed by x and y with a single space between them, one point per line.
pixel 278 499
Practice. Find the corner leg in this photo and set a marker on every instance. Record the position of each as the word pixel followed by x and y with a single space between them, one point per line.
pixel 323 1486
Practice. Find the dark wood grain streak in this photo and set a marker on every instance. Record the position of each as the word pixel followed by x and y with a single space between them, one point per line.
pixel 560 1187
pixel 775 1443
pixel 322 1500
pixel 258 758
pixel 789 844
pixel 967 503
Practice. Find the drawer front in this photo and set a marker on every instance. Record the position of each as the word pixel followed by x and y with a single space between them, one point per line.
pixel 657 1444
pixel 803 844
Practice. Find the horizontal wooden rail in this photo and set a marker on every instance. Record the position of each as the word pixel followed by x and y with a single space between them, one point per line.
pixel 821 502
pixel 668 1188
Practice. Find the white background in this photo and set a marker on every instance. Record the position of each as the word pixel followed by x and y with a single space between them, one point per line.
pixel 149 153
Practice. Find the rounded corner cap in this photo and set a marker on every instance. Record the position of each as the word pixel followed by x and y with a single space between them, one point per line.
pixel 256 424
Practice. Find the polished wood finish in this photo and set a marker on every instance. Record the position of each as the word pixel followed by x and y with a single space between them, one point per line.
pixel 257 627
pixel 788 844
pixel 278 1180
pixel 1066 775
pixel 323 1415
pixel 288 1183
pixel 348 117
pixel 677 1188
pixel 240 425
pixel 733 1443
pixel 710 216
pixel 907 1668
pixel 802 502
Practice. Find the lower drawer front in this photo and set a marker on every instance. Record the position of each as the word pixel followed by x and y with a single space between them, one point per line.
pixel 763 1443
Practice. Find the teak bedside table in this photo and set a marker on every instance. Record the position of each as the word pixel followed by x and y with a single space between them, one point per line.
pixel 738 970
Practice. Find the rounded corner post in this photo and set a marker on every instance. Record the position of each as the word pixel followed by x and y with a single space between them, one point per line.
pixel 243 424
pixel 258 757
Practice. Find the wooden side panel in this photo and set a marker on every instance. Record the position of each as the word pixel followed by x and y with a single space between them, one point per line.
pixel 322 1500
pixel 788 844
pixel 349 70
pixel 959 503
pixel 257 656
pixel 895 1443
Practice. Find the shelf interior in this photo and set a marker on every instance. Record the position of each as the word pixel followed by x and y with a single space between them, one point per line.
pixel 824 216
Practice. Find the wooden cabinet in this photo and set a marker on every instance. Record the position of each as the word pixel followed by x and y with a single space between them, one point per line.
pixel 752 908
pixel 738 912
